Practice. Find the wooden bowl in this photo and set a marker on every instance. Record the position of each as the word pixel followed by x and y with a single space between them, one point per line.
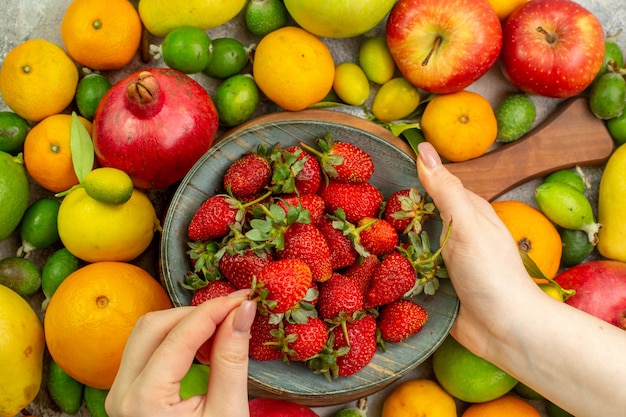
pixel 394 170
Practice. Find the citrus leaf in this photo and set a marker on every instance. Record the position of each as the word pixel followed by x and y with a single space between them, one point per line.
pixel 82 149
pixel 531 267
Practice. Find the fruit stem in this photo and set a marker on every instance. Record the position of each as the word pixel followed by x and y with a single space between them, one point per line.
pixel 436 45
pixel 550 37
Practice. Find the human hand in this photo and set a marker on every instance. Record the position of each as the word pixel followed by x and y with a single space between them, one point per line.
pixel 161 349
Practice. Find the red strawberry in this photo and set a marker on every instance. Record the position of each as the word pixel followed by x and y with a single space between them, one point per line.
pixel 394 277
pixel 361 342
pixel 309 177
pixel 401 319
pixel 303 340
pixel 282 284
pixel 214 217
pixel 362 272
pixel 339 297
pixel 342 161
pixel 212 290
pixel 407 210
pixel 305 242
pixel 377 236
pixel 342 253
pixel 311 202
pixel 357 200
pixel 247 176
pixel 272 407
pixel 262 346
pixel 240 267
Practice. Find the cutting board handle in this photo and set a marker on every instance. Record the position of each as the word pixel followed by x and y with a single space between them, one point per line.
pixel 571 136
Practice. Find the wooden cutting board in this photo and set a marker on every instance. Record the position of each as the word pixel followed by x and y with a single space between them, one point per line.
pixel 571 136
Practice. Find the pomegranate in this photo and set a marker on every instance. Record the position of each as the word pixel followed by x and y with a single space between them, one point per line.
pixel 600 289
pixel 154 125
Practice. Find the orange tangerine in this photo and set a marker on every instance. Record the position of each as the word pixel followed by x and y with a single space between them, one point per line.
pixel 504 8
pixel 47 153
pixel 91 315
pixel 508 405
pixel 534 234
pixel 101 35
pixel 419 397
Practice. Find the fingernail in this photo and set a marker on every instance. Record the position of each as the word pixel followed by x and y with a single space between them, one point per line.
pixel 240 293
pixel 244 317
pixel 428 155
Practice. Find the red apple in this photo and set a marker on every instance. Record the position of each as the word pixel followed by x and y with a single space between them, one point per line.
pixel 552 48
pixel 443 46
pixel 272 407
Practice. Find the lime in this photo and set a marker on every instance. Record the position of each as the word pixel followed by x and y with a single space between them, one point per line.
pixel 228 58
pixel 576 247
pixel 20 274
pixel 13 130
pixel 617 128
pixel 236 99
pixel 94 400
pixel 467 376
pixel 351 84
pixel 553 410
pixel 515 116
pixel 108 185
pixel 376 60
pixel 89 91
pixel 65 391
pixel 14 192
pixel 186 49
pixel 38 228
pixel 607 97
pixel 568 176
pixel 265 16
pixel 57 267
pixel 195 382
pixel 395 100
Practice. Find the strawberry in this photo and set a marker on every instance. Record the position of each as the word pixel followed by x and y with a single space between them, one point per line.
pixel 357 200
pixel 214 217
pixel 401 319
pixel 362 272
pixel 342 252
pixel 247 176
pixel 304 340
pixel 305 242
pixel 339 297
pixel 342 161
pixel 294 171
pixel 309 178
pixel 273 407
pixel 377 236
pixel 394 277
pixel 262 346
pixel 281 284
pixel 212 290
pixel 311 202
pixel 239 268
pixel 407 210
pixel 361 342
pixel 204 257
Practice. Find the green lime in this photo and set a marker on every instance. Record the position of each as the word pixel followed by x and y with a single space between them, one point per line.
pixel 186 49
pixel 65 391
pixel 613 57
pixel 553 410
pixel 89 92
pixel 228 58
pixel 568 176
pixel 57 267
pixel 469 377
pixel 607 97
pixel 515 116
pixel 108 185
pixel 195 382
pixel 395 100
pixel 20 274
pixel 265 16
pixel 94 400
pixel 38 228
pixel 236 99
pixel 351 84
pixel 576 247
pixel 617 128
pixel 526 392
pixel 376 60
pixel 14 192
pixel 13 131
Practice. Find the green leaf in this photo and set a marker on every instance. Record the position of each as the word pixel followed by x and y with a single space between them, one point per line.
pixel 531 267
pixel 82 149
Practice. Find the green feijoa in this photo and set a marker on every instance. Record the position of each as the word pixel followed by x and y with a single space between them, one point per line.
pixel 21 275
pixel 38 228
pixel 607 97
pixel 576 247
pixel 187 49
pixel 568 176
pixel 236 99
pixel 229 57
pixel 265 16
pixel 65 391
pixel 195 382
pixel 350 412
pixel 553 410
pixel 13 131
pixel 94 401
pixel 613 57
pixel 56 268
pixel 89 92
pixel 14 192
pixel 617 128
pixel 567 207
pixel 515 116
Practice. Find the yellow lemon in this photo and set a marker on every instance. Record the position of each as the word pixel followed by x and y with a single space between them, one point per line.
pixel 95 231
pixel 38 79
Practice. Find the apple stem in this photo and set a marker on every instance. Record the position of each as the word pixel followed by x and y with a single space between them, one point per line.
pixel 438 41
pixel 550 37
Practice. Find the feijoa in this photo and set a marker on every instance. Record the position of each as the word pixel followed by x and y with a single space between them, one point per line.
pixel 228 57
pixel 38 228
pixel 617 128
pixel 13 131
pixel 613 57
pixel 265 16
pixel 515 116
pixel 607 97
pixel 576 247
pixel 568 176
pixel 65 391
pixel 236 99
pixel 56 268
pixel 20 274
